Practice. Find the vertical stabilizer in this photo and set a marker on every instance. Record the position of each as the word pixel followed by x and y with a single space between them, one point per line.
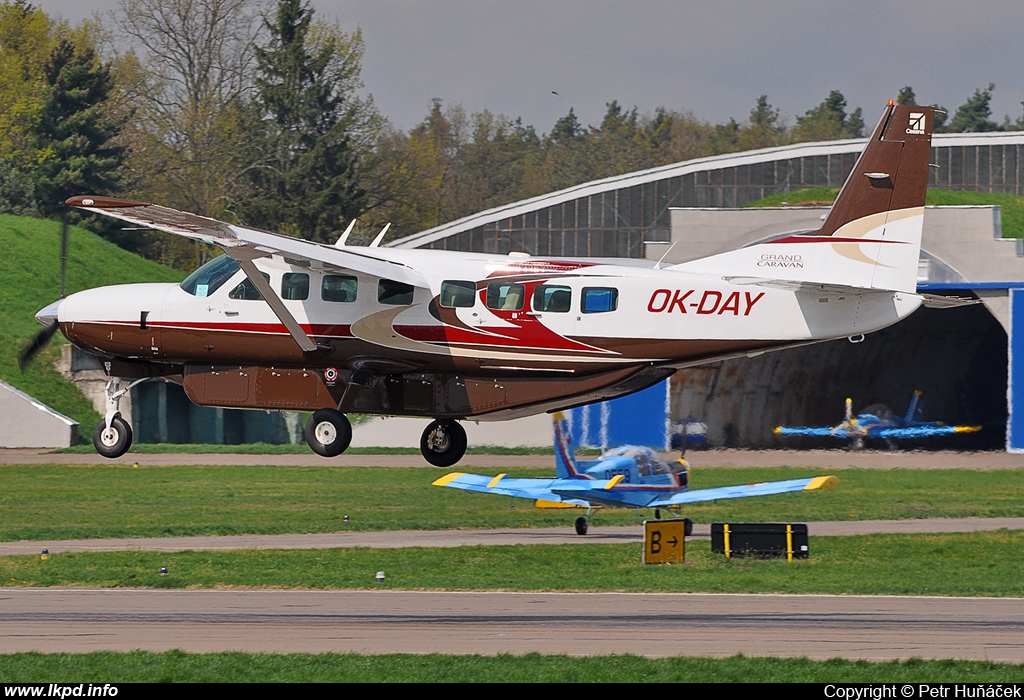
pixel 915 410
pixel 872 236
pixel 565 456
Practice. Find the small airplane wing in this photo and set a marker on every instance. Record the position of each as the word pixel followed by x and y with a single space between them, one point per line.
pixel 247 244
pixel 783 431
pixel 532 489
pixel 765 489
pixel 920 431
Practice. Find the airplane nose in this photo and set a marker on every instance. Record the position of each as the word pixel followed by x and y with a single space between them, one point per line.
pixel 48 314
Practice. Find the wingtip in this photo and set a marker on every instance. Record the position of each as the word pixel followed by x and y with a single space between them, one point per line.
pixel 95 201
pixel 447 478
pixel 821 482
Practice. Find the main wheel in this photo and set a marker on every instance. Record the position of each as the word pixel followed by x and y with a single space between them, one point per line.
pixel 116 440
pixel 581 525
pixel 328 432
pixel 443 444
pixel 687 527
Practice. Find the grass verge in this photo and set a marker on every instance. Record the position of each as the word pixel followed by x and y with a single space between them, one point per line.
pixel 962 564
pixel 50 502
pixel 181 667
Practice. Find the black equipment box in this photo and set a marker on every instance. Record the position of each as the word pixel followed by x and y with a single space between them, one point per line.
pixel 764 540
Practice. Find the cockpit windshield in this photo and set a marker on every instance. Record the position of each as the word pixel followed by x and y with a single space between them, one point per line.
pixel 210 277
pixel 648 462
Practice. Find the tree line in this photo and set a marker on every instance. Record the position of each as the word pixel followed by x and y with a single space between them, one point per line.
pixel 257 116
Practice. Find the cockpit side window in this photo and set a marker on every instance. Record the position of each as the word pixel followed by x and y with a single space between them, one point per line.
pixel 210 277
pixel 505 296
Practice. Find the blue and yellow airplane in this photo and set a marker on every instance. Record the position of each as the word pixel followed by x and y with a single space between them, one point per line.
pixel 878 421
pixel 626 477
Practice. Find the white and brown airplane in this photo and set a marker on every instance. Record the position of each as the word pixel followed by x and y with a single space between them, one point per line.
pixel 282 323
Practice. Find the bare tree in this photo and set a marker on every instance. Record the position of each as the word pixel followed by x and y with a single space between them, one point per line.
pixel 196 60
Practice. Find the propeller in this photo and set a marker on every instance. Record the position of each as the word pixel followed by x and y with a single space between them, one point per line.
pixel 32 348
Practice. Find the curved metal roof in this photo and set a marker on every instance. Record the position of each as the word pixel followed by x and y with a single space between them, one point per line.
pixel 616 182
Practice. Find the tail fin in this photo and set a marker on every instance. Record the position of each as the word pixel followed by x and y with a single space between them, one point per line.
pixel 872 236
pixel 916 409
pixel 565 456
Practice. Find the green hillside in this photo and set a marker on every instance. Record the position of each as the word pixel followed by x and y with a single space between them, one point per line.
pixel 30 270
pixel 1012 205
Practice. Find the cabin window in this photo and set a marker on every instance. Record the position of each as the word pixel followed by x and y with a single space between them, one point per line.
pixel 552 299
pixel 339 288
pixel 599 300
pixel 394 293
pixel 247 291
pixel 210 277
pixel 458 294
pixel 295 286
pixel 505 296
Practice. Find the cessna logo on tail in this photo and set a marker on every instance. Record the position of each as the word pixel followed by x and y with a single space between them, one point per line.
pixel 916 123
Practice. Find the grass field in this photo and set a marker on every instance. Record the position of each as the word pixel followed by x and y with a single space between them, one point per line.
pixel 962 564
pixel 30 269
pixel 116 500
pixel 179 667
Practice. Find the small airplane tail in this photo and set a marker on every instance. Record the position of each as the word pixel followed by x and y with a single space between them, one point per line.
pixel 871 238
pixel 565 456
pixel 916 409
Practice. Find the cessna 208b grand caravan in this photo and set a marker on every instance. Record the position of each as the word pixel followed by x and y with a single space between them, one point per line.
pixel 287 324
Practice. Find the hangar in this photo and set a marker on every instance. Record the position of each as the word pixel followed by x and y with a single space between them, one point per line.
pixel 963 359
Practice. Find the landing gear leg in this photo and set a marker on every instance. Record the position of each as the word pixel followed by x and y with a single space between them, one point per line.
pixel 328 432
pixel 112 436
pixel 443 443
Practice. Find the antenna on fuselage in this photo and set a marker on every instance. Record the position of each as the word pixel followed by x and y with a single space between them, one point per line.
pixel 657 265
pixel 380 236
pixel 344 236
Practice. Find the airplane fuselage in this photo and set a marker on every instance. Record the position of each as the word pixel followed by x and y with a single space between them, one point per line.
pixel 485 319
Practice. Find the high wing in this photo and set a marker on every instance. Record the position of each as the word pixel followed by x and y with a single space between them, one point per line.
pixel 246 244
pixel 767 488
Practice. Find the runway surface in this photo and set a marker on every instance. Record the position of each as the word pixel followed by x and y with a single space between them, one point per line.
pixel 376 622
pixel 462 538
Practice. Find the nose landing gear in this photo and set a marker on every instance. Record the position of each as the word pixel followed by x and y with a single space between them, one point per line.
pixel 443 443
pixel 112 436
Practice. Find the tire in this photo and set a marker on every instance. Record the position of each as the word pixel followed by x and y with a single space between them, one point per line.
pixel 328 432
pixel 115 442
pixel 443 444
pixel 581 525
pixel 687 527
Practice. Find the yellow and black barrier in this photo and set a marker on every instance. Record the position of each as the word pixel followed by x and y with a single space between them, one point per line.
pixel 761 540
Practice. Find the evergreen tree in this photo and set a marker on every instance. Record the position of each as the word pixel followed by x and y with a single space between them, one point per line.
pixel 308 184
pixel 76 131
pixel 974 114
pixel 765 129
pixel 906 96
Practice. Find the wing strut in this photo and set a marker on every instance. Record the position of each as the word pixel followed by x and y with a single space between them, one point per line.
pixel 244 255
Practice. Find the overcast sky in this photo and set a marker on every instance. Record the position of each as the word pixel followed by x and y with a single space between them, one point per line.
pixel 712 57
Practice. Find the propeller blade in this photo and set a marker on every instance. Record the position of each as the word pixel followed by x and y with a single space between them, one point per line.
pixel 37 344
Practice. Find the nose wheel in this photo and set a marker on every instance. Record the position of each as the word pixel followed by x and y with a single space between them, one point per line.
pixel 113 440
pixel 328 432
pixel 443 443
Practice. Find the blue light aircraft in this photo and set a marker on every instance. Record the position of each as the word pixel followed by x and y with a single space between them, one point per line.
pixel 626 477
pixel 878 421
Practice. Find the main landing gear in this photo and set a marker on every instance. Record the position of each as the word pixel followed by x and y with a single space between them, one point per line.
pixel 443 443
pixel 328 432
